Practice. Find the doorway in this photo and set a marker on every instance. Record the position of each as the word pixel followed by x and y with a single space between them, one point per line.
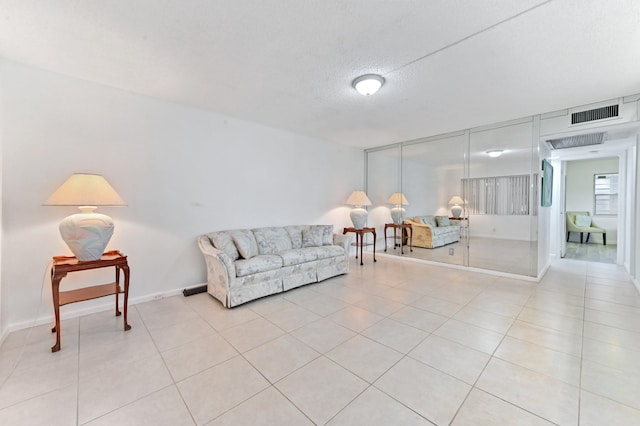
pixel 592 201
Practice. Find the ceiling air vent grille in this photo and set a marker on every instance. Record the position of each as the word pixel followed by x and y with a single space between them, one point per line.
pixel 594 114
pixel 577 141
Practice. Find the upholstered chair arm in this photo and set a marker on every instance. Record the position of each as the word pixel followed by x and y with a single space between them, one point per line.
pixel 342 241
pixel 221 272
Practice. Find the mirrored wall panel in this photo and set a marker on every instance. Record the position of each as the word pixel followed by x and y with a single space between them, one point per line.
pixel 383 181
pixel 468 198
pixel 432 172
pixel 501 198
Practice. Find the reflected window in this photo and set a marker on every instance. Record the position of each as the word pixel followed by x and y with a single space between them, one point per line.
pixel 498 195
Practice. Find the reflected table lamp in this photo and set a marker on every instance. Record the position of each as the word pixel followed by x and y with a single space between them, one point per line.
pixel 397 212
pixel 358 214
pixel 86 233
pixel 456 210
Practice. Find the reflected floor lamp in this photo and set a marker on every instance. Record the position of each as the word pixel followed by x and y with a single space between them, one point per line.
pixel 86 233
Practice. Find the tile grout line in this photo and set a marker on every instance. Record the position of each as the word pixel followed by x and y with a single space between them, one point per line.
pixel 473 386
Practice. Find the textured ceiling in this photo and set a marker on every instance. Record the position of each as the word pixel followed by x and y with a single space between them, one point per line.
pixel 289 63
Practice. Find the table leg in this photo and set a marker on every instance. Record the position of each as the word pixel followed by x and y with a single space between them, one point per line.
pixel 374 245
pixel 117 289
pixel 125 269
pixel 385 238
pixel 411 238
pixel 361 247
pixel 55 289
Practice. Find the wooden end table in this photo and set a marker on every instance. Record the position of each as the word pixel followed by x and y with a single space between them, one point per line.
pixel 62 265
pixel 402 228
pixel 360 240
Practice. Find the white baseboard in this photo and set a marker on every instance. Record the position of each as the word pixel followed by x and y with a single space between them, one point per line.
pixel 80 311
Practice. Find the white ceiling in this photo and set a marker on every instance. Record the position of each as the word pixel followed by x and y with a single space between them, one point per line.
pixel 289 64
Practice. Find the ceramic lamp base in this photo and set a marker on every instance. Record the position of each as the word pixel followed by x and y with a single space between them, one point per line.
pixel 87 234
pixel 456 211
pixel 358 217
pixel 397 215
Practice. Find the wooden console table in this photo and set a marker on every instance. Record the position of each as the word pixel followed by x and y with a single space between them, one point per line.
pixel 62 265
pixel 360 240
pixel 402 228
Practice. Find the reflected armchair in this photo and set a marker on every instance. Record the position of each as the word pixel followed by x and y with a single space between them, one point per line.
pixel 581 222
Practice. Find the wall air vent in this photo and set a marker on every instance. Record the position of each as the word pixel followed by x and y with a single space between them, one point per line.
pixel 594 114
pixel 577 141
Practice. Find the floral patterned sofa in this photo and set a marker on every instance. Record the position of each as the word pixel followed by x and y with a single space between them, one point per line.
pixel 246 264
pixel 433 231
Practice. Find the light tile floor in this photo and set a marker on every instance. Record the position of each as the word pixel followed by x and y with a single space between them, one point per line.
pixel 390 343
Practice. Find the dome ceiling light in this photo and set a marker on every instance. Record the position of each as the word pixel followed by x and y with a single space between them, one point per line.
pixel 368 84
pixel 495 153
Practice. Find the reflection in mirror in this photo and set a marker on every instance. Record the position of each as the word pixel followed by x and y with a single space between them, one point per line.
pixel 432 171
pixel 383 180
pixel 501 193
pixel 468 198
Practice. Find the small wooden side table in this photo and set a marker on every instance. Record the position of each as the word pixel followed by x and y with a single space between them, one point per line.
pixel 62 265
pixel 402 228
pixel 360 240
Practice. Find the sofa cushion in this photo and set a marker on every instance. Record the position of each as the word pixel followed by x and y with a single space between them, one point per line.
pixel 272 240
pixel 583 220
pixel 312 236
pixel 443 221
pixel 327 235
pixel 444 230
pixel 298 256
pixel 429 220
pixel 327 252
pixel 260 263
pixel 222 240
pixel 295 233
pixel 245 243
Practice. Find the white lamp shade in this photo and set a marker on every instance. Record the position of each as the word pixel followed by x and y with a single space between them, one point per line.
pixel 86 233
pixel 358 199
pixel 83 189
pixel 399 199
pixel 456 199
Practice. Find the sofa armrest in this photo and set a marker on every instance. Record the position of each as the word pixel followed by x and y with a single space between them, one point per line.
pixel 424 226
pixel 342 241
pixel 220 270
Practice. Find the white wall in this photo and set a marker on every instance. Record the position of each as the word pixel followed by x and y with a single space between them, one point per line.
pixel 183 172
pixel 579 193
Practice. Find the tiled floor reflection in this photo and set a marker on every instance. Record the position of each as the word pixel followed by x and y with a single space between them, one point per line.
pixel 494 254
pixel 390 343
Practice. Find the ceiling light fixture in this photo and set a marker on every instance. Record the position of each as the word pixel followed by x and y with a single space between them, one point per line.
pixel 495 153
pixel 368 84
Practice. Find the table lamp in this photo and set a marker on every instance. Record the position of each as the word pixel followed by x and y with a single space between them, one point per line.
pixel 456 210
pixel 86 233
pixel 397 213
pixel 358 215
